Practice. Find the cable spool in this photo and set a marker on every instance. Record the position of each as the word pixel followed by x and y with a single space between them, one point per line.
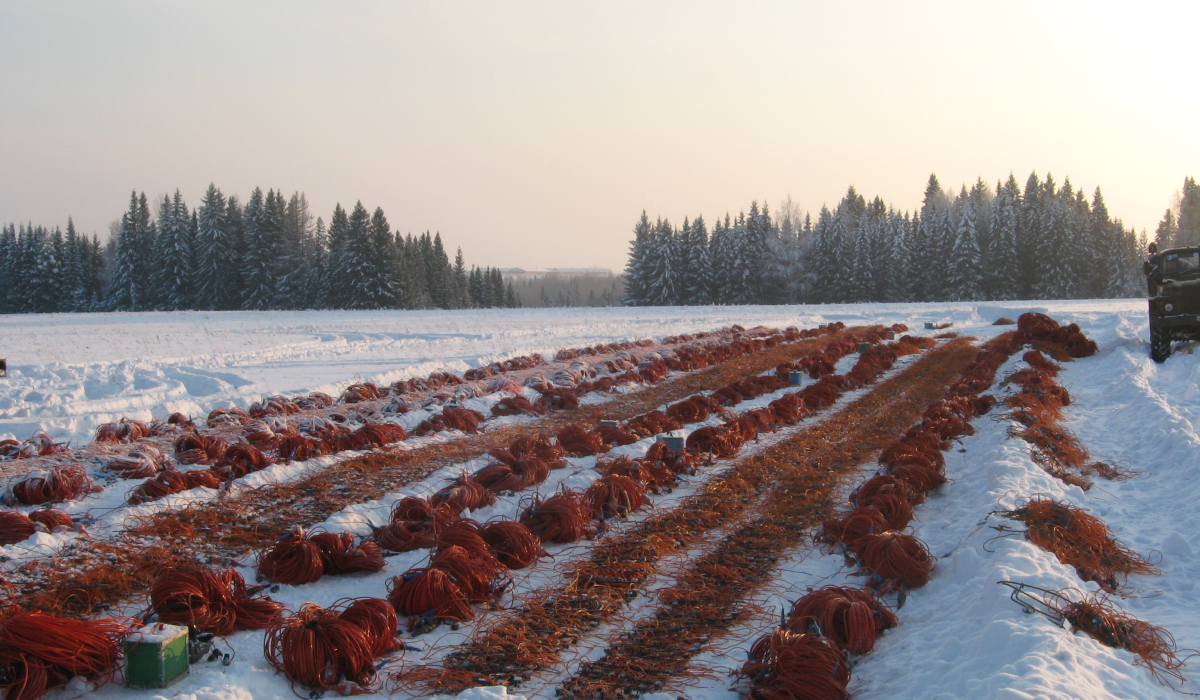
pixel 341 556
pixel 796 666
pixel 241 459
pixel 892 556
pixel 467 534
pixel 512 543
pixel 850 527
pixel 217 603
pixel 51 518
pixel 579 441
pixel 463 494
pixel 60 484
pixel 476 576
pixel 317 648
pixel 562 518
pixel 614 495
pixel 850 617
pixel 406 535
pixel 895 510
pixel 191 448
pixel 377 618
pixel 39 651
pixel 429 592
pixel 15 527
pixel 294 559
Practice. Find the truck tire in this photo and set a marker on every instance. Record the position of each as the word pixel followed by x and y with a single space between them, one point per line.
pixel 1160 344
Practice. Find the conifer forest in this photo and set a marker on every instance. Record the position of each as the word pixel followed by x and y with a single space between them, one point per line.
pixel 269 253
pixel 1043 241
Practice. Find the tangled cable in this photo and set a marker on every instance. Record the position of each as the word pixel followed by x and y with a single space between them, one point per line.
pixel 327 649
pixel 67 483
pixel 212 602
pixel 784 665
pixel 893 557
pixel 15 527
pixel 39 651
pixel 192 448
pixel 512 543
pixel 850 617
pixel 561 519
pixel 170 481
pixel 299 557
pixel 1080 540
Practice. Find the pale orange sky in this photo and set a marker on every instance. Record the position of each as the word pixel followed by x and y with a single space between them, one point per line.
pixel 534 134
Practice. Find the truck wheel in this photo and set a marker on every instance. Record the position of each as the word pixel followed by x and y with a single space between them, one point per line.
pixel 1160 345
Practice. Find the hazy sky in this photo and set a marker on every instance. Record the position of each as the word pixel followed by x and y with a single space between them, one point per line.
pixel 534 134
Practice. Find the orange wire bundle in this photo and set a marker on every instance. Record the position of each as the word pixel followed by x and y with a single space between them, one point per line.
pixel 377 618
pixel 850 617
pixel 614 495
pixel 465 533
pixel 212 602
pixel 170 481
pixel 1081 540
pixel 294 559
pixel 191 448
pixel 429 592
pixel 320 649
pixel 891 556
pixel 463 494
pixel 1099 618
pixel 341 556
pixel 850 527
pixel 51 518
pixel 241 459
pixel 40 651
pixel 125 430
pixel 562 518
pixel 580 442
pixel 512 543
pixel 60 484
pixel 15 527
pixel 788 666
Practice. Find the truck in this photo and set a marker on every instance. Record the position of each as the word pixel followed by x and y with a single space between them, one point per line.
pixel 1173 282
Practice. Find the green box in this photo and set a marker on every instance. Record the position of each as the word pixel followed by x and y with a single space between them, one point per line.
pixel 863 347
pixel 156 656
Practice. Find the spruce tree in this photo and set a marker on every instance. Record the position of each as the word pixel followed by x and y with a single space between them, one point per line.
pixel 1167 232
pixel 1189 214
pixel 258 269
pixel 698 286
pixel 1002 270
pixel 963 280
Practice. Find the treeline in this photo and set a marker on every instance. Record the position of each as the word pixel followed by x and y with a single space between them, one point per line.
pixel 270 253
pixel 1180 226
pixel 1042 242
pixel 569 290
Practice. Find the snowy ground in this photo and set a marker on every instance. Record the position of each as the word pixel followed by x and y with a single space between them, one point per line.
pixel 959 636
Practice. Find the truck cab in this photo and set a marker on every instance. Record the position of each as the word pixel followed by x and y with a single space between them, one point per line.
pixel 1173 283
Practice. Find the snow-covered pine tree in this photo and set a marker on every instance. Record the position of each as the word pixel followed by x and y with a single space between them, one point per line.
pixel 460 297
pixel 698 285
pixel 660 284
pixel 377 285
pixel 861 286
pixel 357 266
pixel 335 289
pixel 122 292
pixel 1001 272
pixel 1029 237
pixel 1189 214
pixel 963 280
pixel 1167 231
pixel 258 269
pixel 1103 247
pixel 174 251
pixel 635 283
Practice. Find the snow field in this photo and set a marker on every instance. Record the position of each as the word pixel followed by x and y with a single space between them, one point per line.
pixel 959 636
